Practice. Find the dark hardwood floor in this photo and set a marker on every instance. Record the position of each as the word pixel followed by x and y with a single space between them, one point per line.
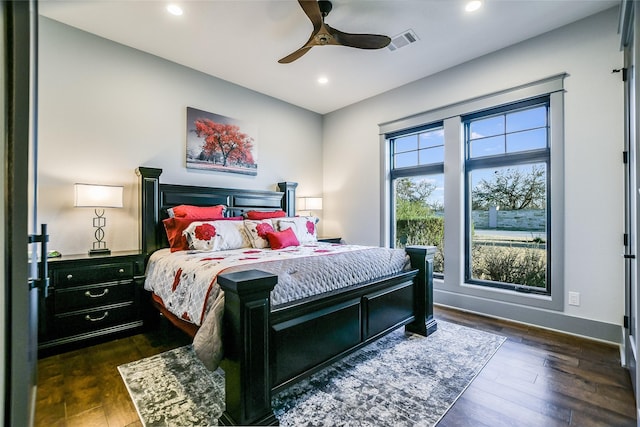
pixel 543 378
pixel 537 378
pixel 83 388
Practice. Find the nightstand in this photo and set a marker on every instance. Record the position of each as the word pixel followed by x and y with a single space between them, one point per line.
pixel 330 239
pixel 90 296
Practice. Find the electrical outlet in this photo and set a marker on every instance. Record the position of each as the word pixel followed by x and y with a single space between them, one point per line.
pixel 574 298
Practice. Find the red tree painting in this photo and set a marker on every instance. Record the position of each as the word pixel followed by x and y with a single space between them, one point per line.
pixel 215 142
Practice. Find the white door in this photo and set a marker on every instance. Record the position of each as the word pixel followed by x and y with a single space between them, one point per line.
pixel 629 42
pixel 630 237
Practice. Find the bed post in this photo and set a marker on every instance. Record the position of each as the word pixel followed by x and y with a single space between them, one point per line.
pixel 422 258
pixel 149 208
pixel 289 198
pixel 246 348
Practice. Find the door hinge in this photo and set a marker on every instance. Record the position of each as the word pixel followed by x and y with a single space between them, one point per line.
pixel 629 256
pixel 624 72
pixel 625 157
pixel 626 322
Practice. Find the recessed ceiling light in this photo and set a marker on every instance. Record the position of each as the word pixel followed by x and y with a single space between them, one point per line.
pixel 323 80
pixel 174 9
pixel 473 5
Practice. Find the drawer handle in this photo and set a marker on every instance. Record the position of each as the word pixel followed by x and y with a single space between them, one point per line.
pixel 90 295
pixel 121 271
pixel 69 276
pixel 96 319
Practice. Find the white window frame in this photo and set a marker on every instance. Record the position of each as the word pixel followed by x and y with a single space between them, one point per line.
pixel 454 203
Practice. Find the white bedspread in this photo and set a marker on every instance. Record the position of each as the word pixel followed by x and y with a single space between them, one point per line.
pixel 186 280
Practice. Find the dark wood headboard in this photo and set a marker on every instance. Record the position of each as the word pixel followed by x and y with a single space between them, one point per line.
pixel 156 198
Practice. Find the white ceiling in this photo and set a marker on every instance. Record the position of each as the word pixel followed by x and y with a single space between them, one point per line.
pixel 241 40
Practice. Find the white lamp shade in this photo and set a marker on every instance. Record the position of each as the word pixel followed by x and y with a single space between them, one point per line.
pixel 98 196
pixel 310 203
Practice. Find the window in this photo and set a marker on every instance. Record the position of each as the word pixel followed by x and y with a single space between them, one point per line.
pixel 417 186
pixel 507 228
pixel 499 246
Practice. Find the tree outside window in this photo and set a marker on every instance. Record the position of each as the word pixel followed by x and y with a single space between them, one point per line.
pixel 419 213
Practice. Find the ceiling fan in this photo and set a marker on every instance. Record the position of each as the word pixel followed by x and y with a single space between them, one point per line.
pixel 323 34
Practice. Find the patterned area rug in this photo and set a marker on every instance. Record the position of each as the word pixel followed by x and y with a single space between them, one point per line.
pixel 398 380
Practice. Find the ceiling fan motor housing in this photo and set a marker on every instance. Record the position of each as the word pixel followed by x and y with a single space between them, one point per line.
pixel 325 7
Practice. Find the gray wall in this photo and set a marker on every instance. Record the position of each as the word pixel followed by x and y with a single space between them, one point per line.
pixel 587 50
pixel 106 108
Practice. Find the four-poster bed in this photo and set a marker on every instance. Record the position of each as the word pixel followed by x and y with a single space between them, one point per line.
pixel 269 348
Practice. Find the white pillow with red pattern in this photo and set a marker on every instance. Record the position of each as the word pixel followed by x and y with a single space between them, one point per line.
pixel 216 235
pixel 257 232
pixel 304 227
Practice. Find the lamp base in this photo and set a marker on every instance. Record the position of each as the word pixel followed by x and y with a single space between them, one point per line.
pixel 99 251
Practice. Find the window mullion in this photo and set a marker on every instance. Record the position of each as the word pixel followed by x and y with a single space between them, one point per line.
pixel 509 159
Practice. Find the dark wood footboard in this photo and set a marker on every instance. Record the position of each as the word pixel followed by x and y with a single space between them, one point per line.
pixel 268 351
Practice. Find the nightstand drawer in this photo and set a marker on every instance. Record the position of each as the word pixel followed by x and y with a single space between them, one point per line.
pixel 92 298
pixel 83 321
pixel 66 277
pixel 86 297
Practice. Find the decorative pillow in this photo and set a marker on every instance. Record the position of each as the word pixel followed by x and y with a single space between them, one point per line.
pixel 303 226
pixel 216 235
pixel 257 232
pixel 174 228
pixel 265 215
pixel 282 239
pixel 203 213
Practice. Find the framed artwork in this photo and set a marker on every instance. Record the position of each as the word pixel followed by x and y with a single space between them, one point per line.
pixel 220 143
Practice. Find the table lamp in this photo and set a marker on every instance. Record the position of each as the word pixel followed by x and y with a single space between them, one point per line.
pixel 98 197
pixel 308 204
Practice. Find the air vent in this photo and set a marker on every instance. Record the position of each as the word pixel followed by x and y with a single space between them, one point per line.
pixel 403 39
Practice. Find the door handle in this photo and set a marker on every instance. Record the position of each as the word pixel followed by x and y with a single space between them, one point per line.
pixel 42 281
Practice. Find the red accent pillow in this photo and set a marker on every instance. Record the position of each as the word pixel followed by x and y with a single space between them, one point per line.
pixel 265 215
pixel 282 239
pixel 199 212
pixel 174 228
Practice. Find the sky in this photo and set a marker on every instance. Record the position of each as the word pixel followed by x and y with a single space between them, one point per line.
pixel 510 132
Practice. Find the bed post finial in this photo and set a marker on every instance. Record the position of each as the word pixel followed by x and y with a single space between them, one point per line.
pixel 289 198
pixel 149 208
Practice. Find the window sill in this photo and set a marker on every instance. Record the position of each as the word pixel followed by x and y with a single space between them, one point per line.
pixel 506 292
pixel 498 295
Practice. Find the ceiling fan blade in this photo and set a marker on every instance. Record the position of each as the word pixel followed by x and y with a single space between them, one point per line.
pixel 360 41
pixel 312 10
pixel 298 53
pixel 295 55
